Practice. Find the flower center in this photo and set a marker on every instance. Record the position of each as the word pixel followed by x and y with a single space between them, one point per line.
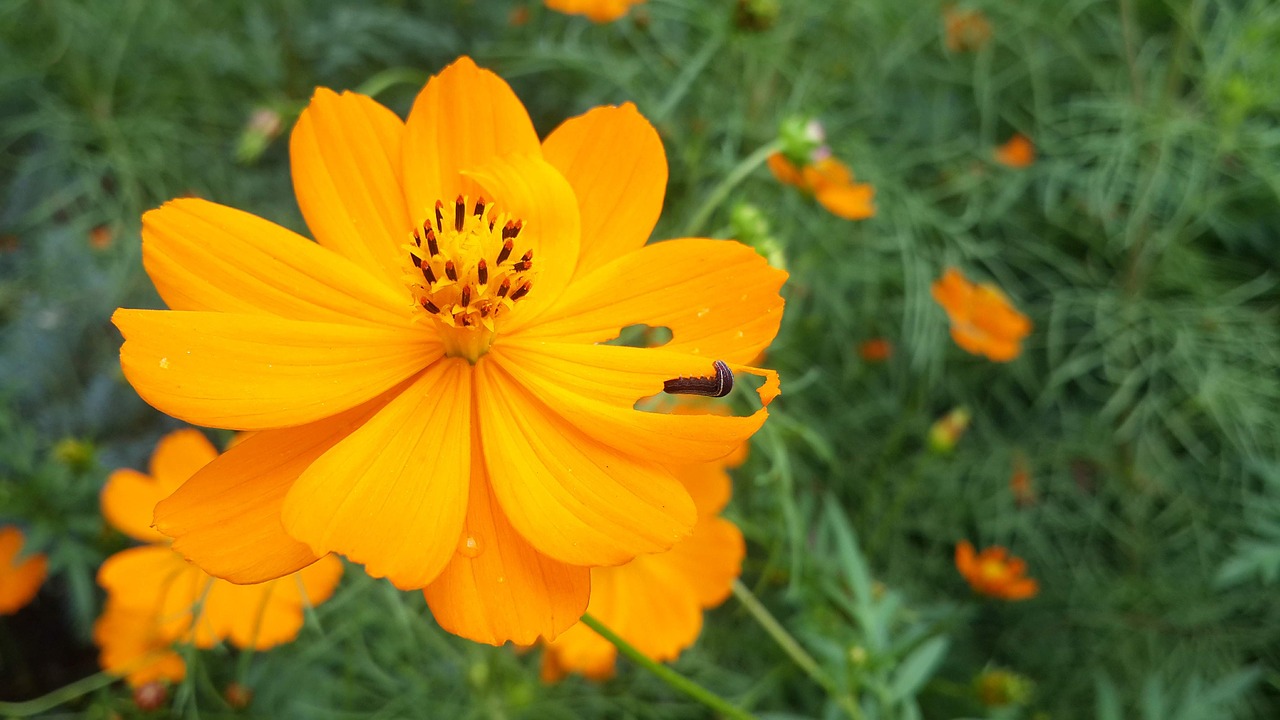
pixel 468 269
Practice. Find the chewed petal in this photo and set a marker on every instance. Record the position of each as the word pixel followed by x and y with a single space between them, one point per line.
pixel 393 494
pixel 614 160
pixel 251 372
pixel 226 518
pixel 594 388
pixel 345 156
pixel 204 256
pixel 571 497
pixel 463 118
pixel 719 298
pixel 532 190
pixel 498 588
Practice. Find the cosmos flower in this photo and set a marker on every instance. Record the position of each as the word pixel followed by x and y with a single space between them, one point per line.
pixel 655 602
pixel 830 182
pixel 20 579
pixel 995 573
pixel 426 382
pixel 965 29
pixel 600 11
pixel 156 598
pixel 983 321
pixel 1017 152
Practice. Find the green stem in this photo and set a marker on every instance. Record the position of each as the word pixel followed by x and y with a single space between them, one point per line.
pixel 64 694
pixel 792 648
pixel 389 78
pixel 726 186
pixel 667 675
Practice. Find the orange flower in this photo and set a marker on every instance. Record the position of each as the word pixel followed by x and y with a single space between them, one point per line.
pixel 995 573
pixel 983 321
pixel 101 237
pixel 655 602
pixel 156 598
pixel 19 580
pixel 600 11
pixel 428 383
pixel 965 29
pixel 875 350
pixel 1017 153
pixel 830 182
pixel 1020 483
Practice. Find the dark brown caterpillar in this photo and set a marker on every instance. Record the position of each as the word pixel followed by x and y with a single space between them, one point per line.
pixel 719 385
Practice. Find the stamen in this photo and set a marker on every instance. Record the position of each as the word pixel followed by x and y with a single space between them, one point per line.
pixel 414 259
pixel 439 217
pixel 450 271
pixel 433 247
pixel 430 307
pixel 482 271
pixel 509 230
pixel 480 207
pixel 428 274
pixel 504 287
pixel 524 290
pixel 466 296
pixel 506 248
pixel 459 211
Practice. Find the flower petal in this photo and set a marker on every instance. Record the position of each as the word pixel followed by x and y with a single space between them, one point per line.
pixel 128 499
pixel 130 646
pixel 569 496
pixel 531 189
pixel 254 372
pixel 595 388
pixel 345 157
pixel 708 484
pixel 392 495
pixel 708 562
pixel 462 119
pixel 226 518
pixel 851 202
pixel 157 580
pixel 177 457
pixel 497 587
pixel 268 614
pixel 205 256
pixel 614 160
pixel 719 298
pixel 19 581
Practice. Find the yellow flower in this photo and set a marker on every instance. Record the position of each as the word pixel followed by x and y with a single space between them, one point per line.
pixel 983 321
pixel 655 602
pixel 427 383
pixel 20 580
pixel 830 182
pixel 600 11
pixel 156 598
pixel 1017 153
pixel 995 573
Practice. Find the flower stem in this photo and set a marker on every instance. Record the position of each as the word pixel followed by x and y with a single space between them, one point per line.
pixel 64 694
pixel 390 77
pixel 667 675
pixel 726 186
pixel 792 648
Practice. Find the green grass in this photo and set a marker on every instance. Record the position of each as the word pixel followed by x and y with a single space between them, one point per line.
pixel 1143 245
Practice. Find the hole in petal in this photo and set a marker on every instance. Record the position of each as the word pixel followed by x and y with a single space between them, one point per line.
pixel 642 336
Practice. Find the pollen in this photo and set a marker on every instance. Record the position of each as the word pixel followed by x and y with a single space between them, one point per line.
pixel 464 271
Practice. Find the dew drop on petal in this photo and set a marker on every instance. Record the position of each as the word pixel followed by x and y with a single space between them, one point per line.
pixel 470 547
pixel 164 363
pixel 703 312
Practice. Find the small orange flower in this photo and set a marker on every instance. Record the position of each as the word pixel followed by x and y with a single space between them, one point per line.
pixel 156 598
pixel 875 350
pixel 983 321
pixel 830 182
pixel 965 29
pixel 1017 153
pixel 429 382
pixel 655 602
pixel 1020 483
pixel 995 573
pixel 600 11
pixel 19 580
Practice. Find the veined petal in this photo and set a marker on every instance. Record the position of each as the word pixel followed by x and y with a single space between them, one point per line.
pixel 614 160
pixel 345 157
pixel 531 189
pixel 497 587
pixel 255 372
pixel 463 118
pixel 205 256
pixel 719 298
pixel 392 495
pixel 569 496
pixel 595 388
pixel 226 518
